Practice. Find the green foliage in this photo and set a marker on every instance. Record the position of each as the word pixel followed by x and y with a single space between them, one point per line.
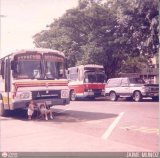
pixel 120 35
pixel 134 64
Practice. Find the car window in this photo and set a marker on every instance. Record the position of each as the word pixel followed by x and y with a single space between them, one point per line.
pixel 114 82
pixel 124 82
pixel 136 81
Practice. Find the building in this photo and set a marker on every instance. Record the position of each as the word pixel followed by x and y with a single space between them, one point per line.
pixel 149 74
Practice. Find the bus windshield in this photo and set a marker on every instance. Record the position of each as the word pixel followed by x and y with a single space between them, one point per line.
pixel 94 77
pixel 36 66
pixel 54 67
pixel 27 66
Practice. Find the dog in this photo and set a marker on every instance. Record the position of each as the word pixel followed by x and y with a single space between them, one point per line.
pixel 44 111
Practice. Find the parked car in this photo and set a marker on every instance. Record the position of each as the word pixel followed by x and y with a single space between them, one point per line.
pixel 132 88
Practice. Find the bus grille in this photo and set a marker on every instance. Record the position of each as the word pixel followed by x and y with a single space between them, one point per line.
pixel 48 94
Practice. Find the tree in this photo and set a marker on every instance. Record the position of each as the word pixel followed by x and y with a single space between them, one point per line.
pixel 113 34
pixel 140 25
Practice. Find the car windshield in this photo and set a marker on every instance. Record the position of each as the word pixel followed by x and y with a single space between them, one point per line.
pixel 136 81
pixel 94 77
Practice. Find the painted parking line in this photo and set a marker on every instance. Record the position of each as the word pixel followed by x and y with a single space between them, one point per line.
pixel 142 129
pixel 108 132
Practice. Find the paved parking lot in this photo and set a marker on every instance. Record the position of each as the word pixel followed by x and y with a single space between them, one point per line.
pixel 85 126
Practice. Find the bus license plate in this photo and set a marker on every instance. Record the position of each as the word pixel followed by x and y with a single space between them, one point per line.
pixel 49 102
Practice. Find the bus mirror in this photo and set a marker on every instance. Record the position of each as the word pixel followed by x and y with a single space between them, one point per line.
pixel 86 80
pixel 61 73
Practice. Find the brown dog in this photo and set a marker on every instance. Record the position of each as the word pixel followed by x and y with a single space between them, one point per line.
pixel 44 111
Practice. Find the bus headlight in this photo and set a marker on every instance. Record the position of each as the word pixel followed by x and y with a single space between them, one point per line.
pixel 64 93
pixel 23 95
pixel 88 90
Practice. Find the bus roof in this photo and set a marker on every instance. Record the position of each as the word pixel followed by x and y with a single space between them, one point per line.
pixel 39 50
pixel 88 66
pixel 93 66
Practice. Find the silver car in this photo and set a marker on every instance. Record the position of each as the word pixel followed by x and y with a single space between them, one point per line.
pixel 131 88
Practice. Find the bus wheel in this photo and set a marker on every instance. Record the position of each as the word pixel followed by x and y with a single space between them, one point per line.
pixel 91 98
pixel 72 95
pixel 3 112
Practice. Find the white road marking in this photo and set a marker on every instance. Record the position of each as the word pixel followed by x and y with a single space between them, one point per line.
pixel 112 126
pixel 142 129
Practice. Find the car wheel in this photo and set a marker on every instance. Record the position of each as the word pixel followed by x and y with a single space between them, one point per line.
pixel 137 96
pixel 72 95
pixel 113 96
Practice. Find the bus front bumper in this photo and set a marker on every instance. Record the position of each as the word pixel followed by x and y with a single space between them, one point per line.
pixel 93 94
pixel 50 102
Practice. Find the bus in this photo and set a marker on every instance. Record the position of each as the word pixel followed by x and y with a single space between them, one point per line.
pixel 86 81
pixel 33 74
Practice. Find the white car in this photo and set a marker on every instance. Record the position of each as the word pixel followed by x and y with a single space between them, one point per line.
pixel 129 87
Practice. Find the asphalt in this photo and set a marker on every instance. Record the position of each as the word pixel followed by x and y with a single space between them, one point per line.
pixel 80 126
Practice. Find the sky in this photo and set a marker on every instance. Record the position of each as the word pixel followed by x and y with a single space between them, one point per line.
pixel 22 19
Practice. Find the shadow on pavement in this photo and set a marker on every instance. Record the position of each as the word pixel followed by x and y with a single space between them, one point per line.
pixel 108 100
pixel 15 114
pixel 80 116
pixel 67 116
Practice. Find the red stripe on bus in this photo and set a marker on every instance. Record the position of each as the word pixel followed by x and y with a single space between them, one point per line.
pixel 17 85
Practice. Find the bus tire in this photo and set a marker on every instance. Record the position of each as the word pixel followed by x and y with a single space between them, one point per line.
pixel 72 95
pixel 3 112
pixel 91 98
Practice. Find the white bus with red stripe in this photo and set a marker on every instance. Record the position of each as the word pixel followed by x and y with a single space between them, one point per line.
pixel 86 81
pixel 37 74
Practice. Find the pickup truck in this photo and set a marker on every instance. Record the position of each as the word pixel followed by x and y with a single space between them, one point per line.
pixel 132 88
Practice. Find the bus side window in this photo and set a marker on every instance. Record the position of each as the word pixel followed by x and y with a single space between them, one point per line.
pixel 2 68
pixel 14 68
